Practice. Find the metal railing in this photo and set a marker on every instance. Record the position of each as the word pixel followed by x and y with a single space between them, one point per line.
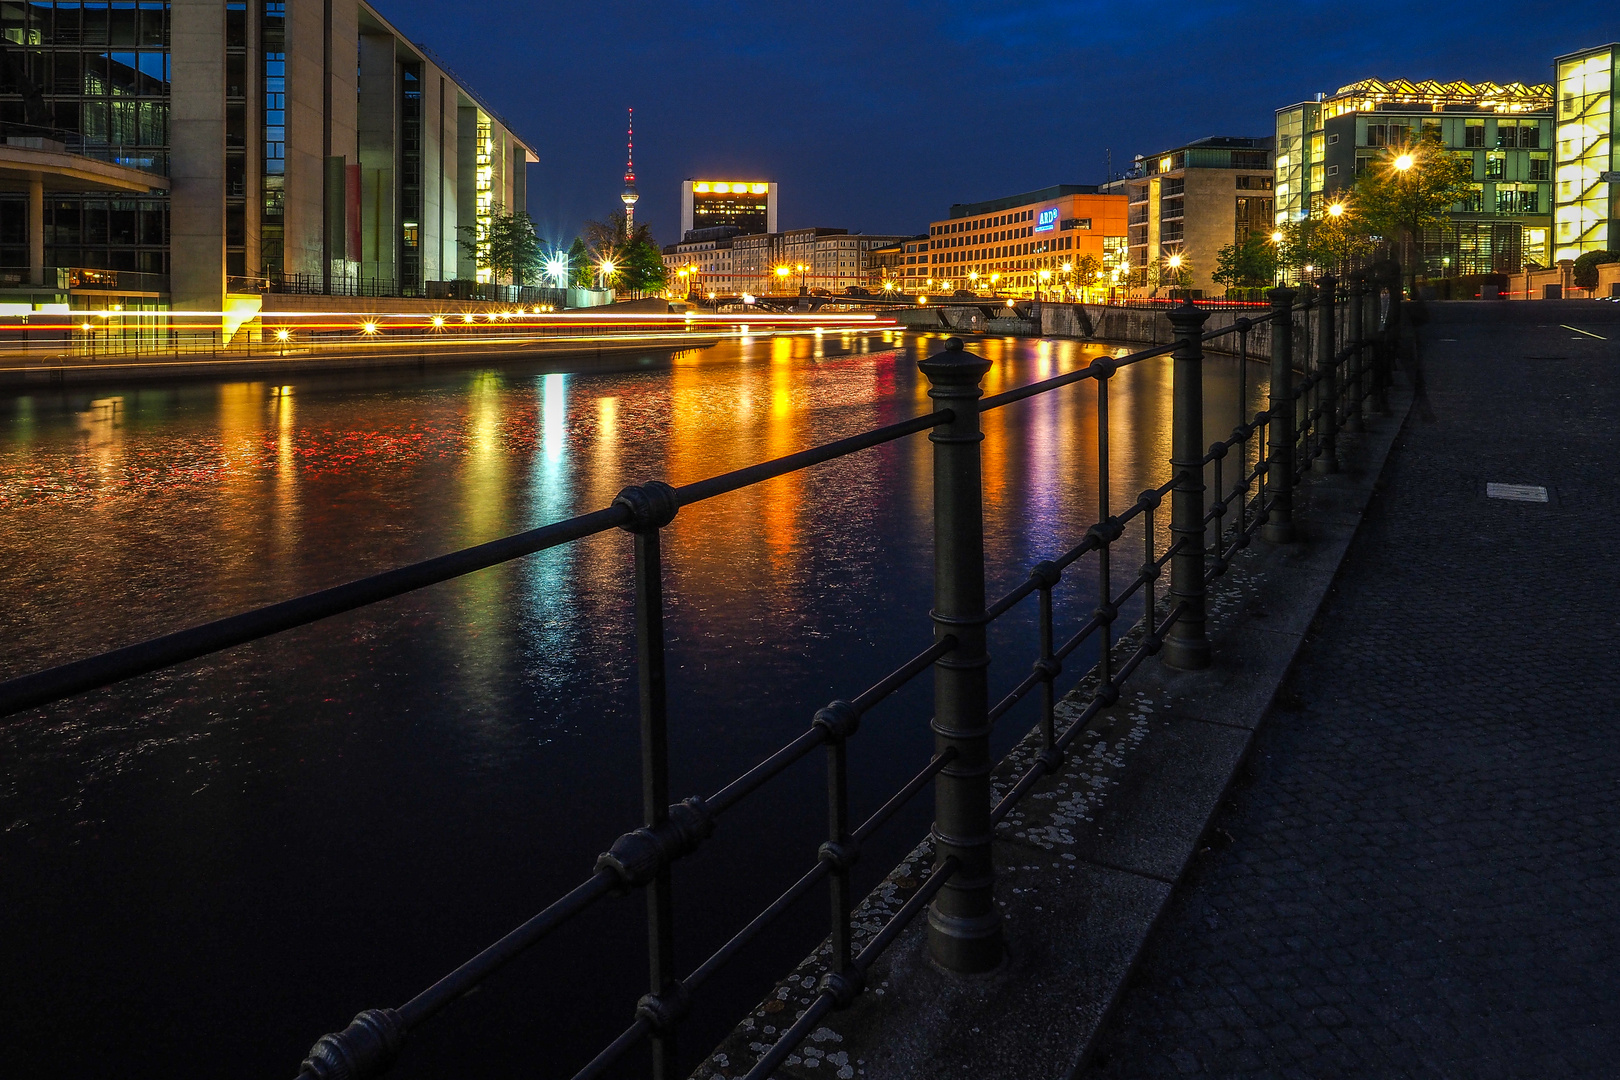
pixel 1266 452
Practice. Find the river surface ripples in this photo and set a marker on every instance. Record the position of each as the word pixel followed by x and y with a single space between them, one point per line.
pixel 206 869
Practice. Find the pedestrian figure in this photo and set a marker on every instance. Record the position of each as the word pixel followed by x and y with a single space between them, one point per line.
pixel 1414 314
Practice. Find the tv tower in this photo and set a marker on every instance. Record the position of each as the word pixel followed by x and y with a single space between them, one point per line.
pixel 629 197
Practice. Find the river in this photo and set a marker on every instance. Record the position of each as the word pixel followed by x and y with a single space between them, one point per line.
pixel 207 869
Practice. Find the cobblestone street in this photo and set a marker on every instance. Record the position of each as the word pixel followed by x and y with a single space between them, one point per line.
pixel 1416 874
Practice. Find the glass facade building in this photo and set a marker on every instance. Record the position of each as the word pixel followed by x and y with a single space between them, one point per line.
pixel 298 145
pixel 1588 161
pixel 94 77
pixel 1507 130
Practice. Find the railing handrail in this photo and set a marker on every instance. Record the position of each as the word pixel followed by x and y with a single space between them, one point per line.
pixel 640 859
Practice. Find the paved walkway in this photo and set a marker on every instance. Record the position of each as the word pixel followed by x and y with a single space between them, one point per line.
pixel 1418 873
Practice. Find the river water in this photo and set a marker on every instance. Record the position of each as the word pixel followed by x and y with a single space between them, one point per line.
pixel 207 869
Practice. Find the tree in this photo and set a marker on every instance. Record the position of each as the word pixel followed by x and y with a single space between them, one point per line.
pixel 1247 265
pixel 506 245
pixel 1086 269
pixel 638 264
pixel 1343 238
pixel 1586 267
pixel 1411 188
pixel 580 269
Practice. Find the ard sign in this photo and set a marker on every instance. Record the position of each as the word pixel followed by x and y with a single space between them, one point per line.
pixel 1047 220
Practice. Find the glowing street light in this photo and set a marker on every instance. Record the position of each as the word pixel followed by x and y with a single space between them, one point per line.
pixel 469 317
pixel 1336 210
pixel 369 327
pixel 1404 163
pixel 283 334
pixel 1277 237
pixel 605 269
pixel 557 270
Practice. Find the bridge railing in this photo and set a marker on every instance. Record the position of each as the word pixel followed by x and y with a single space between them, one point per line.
pixel 1253 471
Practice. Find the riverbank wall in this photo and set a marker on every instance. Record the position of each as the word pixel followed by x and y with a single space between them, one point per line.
pixel 45 371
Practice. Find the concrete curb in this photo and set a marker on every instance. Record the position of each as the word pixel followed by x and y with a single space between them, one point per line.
pixel 1088 863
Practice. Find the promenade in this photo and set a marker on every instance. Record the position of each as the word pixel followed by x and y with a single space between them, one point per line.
pixel 1416 873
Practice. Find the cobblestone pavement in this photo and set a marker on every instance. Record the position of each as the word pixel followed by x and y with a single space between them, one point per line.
pixel 1417 874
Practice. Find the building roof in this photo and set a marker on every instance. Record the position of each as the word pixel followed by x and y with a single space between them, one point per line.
pixel 1368 94
pixel 1057 191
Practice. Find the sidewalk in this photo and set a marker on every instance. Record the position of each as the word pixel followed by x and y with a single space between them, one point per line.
pixel 1419 871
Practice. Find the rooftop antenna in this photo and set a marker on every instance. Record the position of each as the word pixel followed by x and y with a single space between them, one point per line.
pixel 629 196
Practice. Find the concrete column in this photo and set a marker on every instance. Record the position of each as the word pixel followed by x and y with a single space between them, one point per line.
pixel 36 229
pixel 377 133
pixel 197 155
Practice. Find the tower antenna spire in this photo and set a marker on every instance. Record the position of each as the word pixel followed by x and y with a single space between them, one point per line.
pixel 629 196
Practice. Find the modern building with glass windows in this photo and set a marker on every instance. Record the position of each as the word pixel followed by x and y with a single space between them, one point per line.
pixel 1188 203
pixel 1586 171
pixel 1323 145
pixel 301 145
pixel 1003 245
pixel 748 206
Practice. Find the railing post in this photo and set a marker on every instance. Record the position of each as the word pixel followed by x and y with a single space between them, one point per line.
pixel 1327 396
pixel 653 506
pixel 1279 527
pixel 1357 341
pixel 1186 645
pixel 964 927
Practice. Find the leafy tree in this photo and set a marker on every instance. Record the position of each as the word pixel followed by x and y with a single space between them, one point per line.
pixel 581 271
pixel 506 245
pixel 1086 269
pixel 1247 265
pixel 637 261
pixel 1343 238
pixel 1586 267
pixel 1393 201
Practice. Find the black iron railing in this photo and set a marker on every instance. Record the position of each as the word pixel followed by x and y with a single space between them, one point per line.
pixel 1266 452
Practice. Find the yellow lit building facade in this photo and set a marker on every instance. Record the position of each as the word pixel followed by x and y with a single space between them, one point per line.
pixel 1003 246
pixel 1324 145
pixel 746 205
pixel 1587 170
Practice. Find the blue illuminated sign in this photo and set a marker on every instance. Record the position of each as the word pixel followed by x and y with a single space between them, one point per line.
pixel 1047 221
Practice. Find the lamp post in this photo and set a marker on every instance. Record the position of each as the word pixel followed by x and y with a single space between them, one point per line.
pixel 1068 278
pixel 604 270
pixel 1045 276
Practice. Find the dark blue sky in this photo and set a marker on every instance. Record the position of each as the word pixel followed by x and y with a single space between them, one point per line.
pixel 876 116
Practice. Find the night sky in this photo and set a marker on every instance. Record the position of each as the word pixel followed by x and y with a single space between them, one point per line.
pixel 877 116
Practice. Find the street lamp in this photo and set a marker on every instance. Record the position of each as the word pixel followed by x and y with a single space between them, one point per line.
pixel 1336 210
pixel 605 270
pixel 1404 163
pixel 1174 263
pixel 1046 275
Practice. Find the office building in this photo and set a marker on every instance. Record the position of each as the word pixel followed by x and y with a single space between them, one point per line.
pixel 773 264
pixel 1002 245
pixel 1188 203
pixel 749 206
pixel 913 265
pixel 1586 171
pixel 886 264
pixel 303 144
pixel 1323 145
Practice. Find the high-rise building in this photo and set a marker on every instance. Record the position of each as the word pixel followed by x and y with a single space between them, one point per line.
pixel 1323 145
pixel 307 142
pixel 746 205
pixel 1188 203
pixel 1586 171
pixel 629 196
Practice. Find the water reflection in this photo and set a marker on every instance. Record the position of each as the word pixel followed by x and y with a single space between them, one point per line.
pixel 390 757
